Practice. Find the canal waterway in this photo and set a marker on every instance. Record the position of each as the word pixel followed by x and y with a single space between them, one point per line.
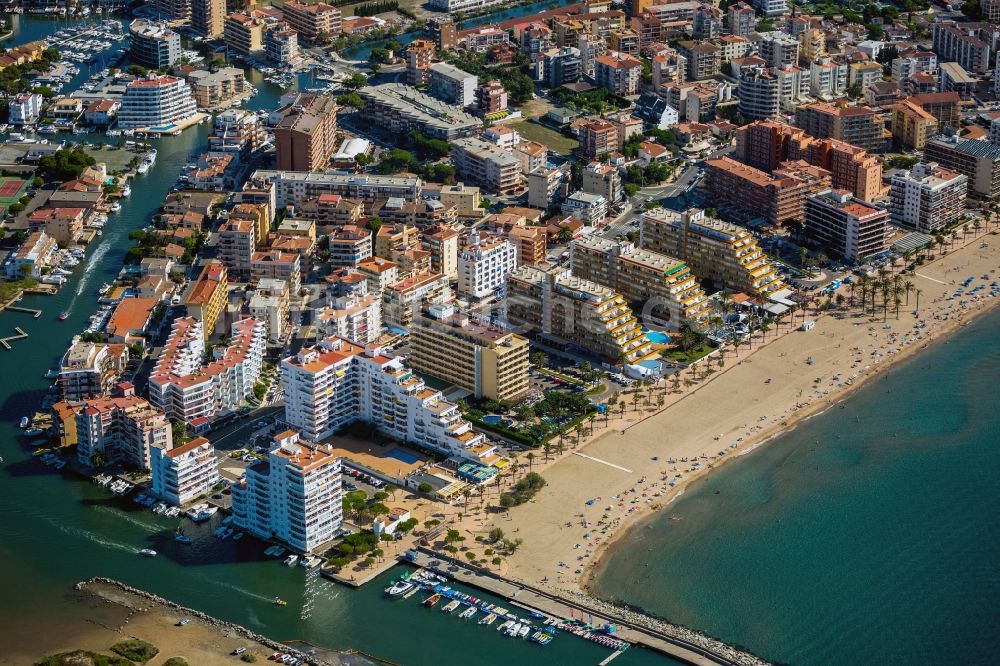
pixel 56 529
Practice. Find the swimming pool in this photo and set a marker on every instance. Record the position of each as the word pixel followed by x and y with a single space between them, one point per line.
pixel 657 337
pixel 402 456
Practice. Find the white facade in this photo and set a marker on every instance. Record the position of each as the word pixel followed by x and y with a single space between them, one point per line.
pixel 771 7
pixel 294 496
pixel 483 266
pixel 156 103
pixel 24 108
pixel 590 208
pixel 354 318
pixel 827 78
pixel 184 473
pixel 451 84
pixel 336 383
pixel 927 198
pixel 188 391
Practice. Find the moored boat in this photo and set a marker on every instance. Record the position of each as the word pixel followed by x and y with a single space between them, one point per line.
pixel 431 600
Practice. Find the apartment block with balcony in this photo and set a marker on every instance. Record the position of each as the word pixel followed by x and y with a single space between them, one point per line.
pixel 208 17
pixel 153 45
pixel 977 159
pixel 312 20
pixel 208 297
pixel 294 496
pixel 482 357
pixel 724 253
pixel 618 73
pixel 306 135
pixel 576 314
pixel 278 265
pixel 120 429
pixel 156 102
pixel 487 165
pixel 402 300
pixel 927 198
pixel 184 473
pixel 270 304
pixel 857 125
pixel 483 266
pixel 846 227
pixel 664 287
pixel 243 32
pixel 90 370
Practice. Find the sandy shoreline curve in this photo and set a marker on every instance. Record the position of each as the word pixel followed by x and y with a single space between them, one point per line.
pixel 622 476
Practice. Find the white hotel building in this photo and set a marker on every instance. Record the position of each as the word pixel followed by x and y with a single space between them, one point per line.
pixel 156 102
pixel 483 266
pixel 184 473
pixel 335 383
pixel 294 496
pixel 194 393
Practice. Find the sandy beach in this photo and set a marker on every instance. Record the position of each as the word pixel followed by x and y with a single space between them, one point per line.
pixel 641 462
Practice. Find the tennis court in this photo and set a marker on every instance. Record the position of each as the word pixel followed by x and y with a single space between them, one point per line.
pixel 10 188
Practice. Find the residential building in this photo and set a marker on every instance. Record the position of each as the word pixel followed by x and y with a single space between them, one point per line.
pixel 742 19
pixel 191 390
pixel 153 44
pixel 279 266
pixel 355 318
pixel 90 370
pixel 443 247
pixel 724 253
pixel 336 383
pixel 221 88
pixel 158 102
pixel 596 138
pixel 702 59
pixel 977 159
pixel 269 304
pixel 618 73
pixel 576 313
pixel 602 179
pixel 184 473
pixel 927 198
pixel 294 188
pixel 864 74
pixel 483 266
pixel 380 273
pixel 777 48
pixel 442 32
pixel 237 244
pixel 531 244
pixel 305 137
pixel 258 214
pixel 669 69
pixel 481 357
pixel 208 297
pixel 350 245
pixel 120 429
pixel 750 193
pixel 314 22
pixel 828 78
pixel 451 84
pixel 491 98
pixel 955 79
pixel 846 227
pixel 771 7
pixel 466 199
pixel 590 47
pixel 393 238
pixel 546 187
pixel 208 17
pixel 130 320
pixel 24 108
pixel 244 33
pixel 559 66
pixel 402 300
pixel 591 209
pixel 281 45
pixel 419 55
pixel 172 10
pixel 34 255
pixel 487 165
pixel 968 44
pixel 399 108
pixel 236 131
pixel 759 93
pixel 663 286
pixel 857 125
pixel 945 106
pixel 913 61
pixel 294 496
pixel 911 125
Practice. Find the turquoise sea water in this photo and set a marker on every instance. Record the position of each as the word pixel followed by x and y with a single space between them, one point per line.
pixel 869 534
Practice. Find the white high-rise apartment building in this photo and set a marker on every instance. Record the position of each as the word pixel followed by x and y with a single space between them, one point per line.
pixel 156 102
pixel 184 473
pixel 483 266
pixel 336 383
pixel 294 496
pixel 189 391
pixel 927 198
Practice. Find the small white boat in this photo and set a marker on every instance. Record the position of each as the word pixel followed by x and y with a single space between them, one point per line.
pixel 24 422
pixel 399 589
pixel 291 560
pixel 239 535
pixel 126 191
pixel 116 207
pixel 147 552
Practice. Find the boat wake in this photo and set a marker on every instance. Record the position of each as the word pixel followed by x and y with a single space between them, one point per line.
pixel 138 523
pixel 95 538
pixel 241 590
pixel 94 259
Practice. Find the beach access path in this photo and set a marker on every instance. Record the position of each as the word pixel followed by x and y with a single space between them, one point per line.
pixel 758 395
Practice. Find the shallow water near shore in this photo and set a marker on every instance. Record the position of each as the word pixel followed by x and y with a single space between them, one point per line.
pixel 866 535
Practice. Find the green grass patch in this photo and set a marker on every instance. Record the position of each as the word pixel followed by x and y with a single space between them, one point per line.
pixel 678 355
pixel 135 649
pixel 557 141
pixel 176 661
pixel 8 290
pixel 83 658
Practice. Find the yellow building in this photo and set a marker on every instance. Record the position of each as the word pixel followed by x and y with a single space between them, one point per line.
pixel 576 313
pixel 486 359
pixel 208 298
pixel 663 286
pixel 911 125
pixel 244 33
pixel 256 213
pixel 719 251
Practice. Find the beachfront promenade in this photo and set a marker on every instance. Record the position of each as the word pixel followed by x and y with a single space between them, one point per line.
pixel 627 629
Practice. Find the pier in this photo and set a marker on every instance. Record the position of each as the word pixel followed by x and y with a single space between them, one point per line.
pixel 17 308
pixel 532 598
pixel 6 341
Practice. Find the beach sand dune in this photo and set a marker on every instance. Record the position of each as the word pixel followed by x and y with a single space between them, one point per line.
pixel 731 413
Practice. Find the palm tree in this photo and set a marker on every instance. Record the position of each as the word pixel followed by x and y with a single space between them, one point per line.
pixel 635 401
pixel 907 288
pixel 918 292
pixel 547 448
pixel 621 409
pixel 578 430
pixel 851 288
pixel 977 225
pixel 863 285
pixel 590 421
pixel 531 458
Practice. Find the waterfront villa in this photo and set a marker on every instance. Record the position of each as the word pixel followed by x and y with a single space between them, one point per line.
pixel 160 103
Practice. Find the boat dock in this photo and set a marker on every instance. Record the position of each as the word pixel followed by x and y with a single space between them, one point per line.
pixel 569 610
pixel 17 308
pixel 6 341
